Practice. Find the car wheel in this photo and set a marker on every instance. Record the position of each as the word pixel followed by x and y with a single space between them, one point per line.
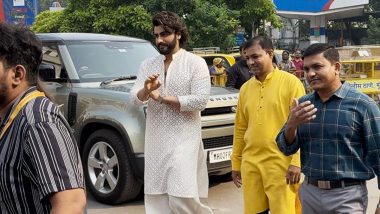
pixel 108 173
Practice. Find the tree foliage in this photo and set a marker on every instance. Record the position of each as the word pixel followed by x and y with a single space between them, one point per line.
pixel 210 22
pixel 373 30
pixel 211 25
pixel 256 12
pixel 49 22
pixel 374 5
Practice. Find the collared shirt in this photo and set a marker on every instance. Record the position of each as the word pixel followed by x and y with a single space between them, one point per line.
pixel 343 141
pixel 238 74
pixel 38 157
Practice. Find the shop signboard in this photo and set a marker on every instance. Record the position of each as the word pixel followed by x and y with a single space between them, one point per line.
pixel 18 11
pixel 2 17
pixel 316 6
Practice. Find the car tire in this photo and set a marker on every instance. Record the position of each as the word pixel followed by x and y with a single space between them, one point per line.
pixel 108 173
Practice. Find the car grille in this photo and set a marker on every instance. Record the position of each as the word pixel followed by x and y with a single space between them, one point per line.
pixel 217 142
pixel 214 111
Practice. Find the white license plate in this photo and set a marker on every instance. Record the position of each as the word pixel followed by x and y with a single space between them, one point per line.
pixel 220 155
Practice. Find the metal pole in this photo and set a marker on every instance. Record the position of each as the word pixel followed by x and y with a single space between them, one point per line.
pixel 35 3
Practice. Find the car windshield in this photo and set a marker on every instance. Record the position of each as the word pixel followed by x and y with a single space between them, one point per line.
pixel 99 61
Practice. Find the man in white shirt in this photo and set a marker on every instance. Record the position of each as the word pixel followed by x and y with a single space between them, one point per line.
pixel 176 87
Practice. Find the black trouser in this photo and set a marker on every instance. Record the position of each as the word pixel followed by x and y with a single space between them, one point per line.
pixel 264 212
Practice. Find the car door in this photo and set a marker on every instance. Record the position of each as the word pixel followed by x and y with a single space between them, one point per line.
pixel 59 87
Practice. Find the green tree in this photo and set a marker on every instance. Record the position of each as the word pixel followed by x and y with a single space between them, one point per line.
pixel 211 25
pixel 47 22
pixel 373 30
pixel 178 6
pixel 254 13
pixel 374 5
pixel 105 16
pixel 211 22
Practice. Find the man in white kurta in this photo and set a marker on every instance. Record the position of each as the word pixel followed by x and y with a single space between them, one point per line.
pixel 176 87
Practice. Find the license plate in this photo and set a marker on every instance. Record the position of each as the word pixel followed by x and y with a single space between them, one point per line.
pixel 220 155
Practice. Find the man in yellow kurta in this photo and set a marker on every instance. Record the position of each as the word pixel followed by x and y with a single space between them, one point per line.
pixel 267 176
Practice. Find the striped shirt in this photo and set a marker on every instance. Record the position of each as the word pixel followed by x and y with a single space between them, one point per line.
pixel 343 141
pixel 38 156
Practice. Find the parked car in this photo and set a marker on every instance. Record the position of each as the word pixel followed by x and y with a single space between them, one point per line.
pixel 90 76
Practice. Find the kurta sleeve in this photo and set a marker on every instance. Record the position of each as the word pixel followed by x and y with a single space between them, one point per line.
pixel 200 88
pixel 299 91
pixel 371 126
pixel 139 84
pixel 51 156
pixel 241 124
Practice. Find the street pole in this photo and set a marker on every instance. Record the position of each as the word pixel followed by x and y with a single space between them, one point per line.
pixel 35 3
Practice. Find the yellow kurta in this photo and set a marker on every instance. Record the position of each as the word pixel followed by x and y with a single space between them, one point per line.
pixel 263 109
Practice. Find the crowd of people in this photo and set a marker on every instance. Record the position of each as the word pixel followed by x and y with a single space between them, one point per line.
pixel 331 135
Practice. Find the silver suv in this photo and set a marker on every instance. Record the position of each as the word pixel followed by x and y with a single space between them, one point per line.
pixel 90 77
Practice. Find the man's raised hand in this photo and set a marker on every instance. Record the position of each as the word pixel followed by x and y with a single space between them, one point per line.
pixel 301 113
pixel 152 83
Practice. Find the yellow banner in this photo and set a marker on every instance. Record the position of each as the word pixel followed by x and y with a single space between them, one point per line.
pixel 365 85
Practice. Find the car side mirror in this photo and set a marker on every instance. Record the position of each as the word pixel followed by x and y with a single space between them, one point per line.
pixel 46 72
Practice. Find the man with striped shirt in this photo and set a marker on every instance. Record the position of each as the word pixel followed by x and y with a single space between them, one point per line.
pixel 337 129
pixel 40 168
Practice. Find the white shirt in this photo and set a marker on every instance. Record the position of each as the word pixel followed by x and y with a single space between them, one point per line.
pixel 175 161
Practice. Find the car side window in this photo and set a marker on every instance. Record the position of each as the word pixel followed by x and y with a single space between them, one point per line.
pixel 50 56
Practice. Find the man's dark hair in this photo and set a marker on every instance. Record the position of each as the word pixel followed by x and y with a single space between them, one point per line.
pixel 172 23
pixel 264 42
pixel 242 46
pixel 329 52
pixel 20 46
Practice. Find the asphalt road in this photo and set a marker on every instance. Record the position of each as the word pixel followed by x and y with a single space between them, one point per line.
pixel 224 198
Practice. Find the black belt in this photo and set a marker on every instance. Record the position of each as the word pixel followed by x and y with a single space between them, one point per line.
pixel 333 184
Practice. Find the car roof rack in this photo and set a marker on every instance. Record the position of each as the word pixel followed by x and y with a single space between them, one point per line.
pixel 206 50
pixel 235 49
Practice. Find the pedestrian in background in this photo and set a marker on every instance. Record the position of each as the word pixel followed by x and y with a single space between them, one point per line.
pixel 217 67
pixel 337 129
pixel 268 177
pixel 239 73
pixel 285 64
pixel 298 64
pixel 176 87
pixel 218 72
pixel 40 166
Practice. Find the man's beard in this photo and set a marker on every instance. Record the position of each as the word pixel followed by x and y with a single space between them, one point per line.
pixel 3 96
pixel 166 49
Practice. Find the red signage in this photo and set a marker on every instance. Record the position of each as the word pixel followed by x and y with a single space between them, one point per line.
pixel 2 17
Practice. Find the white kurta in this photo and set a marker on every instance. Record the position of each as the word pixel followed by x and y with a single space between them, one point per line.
pixel 175 161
